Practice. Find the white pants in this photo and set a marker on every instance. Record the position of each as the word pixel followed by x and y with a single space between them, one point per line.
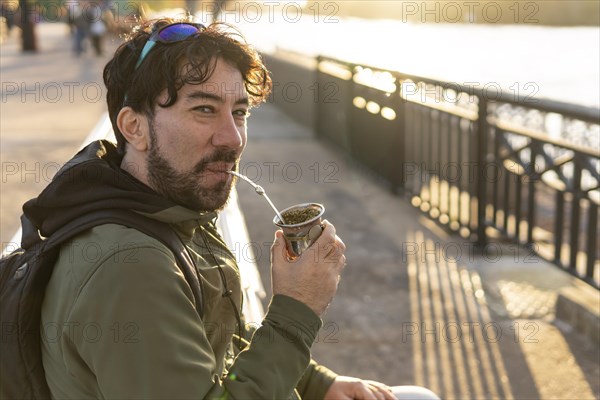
pixel 413 393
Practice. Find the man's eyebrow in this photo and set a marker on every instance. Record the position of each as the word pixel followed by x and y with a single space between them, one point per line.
pixel 199 94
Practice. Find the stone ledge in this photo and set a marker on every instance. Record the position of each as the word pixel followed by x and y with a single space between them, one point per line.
pixel 579 307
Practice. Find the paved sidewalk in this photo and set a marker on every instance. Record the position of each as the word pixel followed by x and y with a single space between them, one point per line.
pixel 415 306
pixel 49 102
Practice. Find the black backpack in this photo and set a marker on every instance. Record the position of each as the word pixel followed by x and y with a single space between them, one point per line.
pixel 24 275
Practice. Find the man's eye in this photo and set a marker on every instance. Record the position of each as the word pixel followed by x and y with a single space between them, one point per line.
pixel 241 113
pixel 204 109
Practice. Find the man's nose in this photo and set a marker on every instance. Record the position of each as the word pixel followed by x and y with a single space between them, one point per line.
pixel 228 133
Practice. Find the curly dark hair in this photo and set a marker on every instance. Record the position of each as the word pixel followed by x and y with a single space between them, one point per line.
pixel 171 66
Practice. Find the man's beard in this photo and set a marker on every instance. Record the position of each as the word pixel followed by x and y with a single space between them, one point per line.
pixel 185 188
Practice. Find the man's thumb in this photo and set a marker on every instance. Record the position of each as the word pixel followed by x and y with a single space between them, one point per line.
pixel 278 249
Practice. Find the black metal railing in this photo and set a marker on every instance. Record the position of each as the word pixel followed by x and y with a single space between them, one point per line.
pixel 476 160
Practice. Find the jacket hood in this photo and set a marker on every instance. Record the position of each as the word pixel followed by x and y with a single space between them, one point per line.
pixel 93 180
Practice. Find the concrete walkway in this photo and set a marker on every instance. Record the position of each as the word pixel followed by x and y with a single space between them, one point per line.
pixel 415 306
pixel 49 102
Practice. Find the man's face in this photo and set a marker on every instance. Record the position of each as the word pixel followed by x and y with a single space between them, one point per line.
pixel 197 139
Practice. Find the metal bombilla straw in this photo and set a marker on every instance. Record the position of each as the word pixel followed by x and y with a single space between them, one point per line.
pixel 259 189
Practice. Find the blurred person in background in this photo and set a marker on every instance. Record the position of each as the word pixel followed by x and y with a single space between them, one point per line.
pixel 81 26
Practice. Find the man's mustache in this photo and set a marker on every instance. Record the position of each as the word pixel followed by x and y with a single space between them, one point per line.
pixel 220 155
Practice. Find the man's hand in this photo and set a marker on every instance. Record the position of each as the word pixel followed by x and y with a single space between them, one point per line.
pixel 347 388
pixel 313 277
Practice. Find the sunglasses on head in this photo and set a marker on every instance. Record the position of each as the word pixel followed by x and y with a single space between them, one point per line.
pixel 171 33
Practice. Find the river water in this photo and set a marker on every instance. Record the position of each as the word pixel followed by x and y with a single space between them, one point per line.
pixel 548 62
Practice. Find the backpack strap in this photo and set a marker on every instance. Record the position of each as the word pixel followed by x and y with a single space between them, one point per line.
pixel 156 229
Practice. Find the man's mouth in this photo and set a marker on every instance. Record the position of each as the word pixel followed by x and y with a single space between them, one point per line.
pixel 220 167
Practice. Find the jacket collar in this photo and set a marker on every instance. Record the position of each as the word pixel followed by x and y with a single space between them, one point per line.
pixel 183 220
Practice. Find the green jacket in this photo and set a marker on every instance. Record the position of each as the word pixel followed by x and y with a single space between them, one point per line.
pixel 118 317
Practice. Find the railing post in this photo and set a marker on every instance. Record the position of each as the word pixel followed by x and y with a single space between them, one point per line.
pixel 400 137
pixel 349 111
pixel 591 241
pixel 482 132
pixel 575 214
pixel 318 112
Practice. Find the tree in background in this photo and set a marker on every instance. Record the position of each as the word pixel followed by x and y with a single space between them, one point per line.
pixel 27 13
pixel 219 6
pixel 28 19
pixel 190 6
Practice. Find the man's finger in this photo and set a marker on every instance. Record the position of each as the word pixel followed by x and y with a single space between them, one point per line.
pixel 384 390
pixel 334 252
pixel 278 249
pixel 363 393
pixel 327 235
pixel 340 242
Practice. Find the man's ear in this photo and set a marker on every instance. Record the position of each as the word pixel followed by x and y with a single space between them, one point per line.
pixel 134 127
